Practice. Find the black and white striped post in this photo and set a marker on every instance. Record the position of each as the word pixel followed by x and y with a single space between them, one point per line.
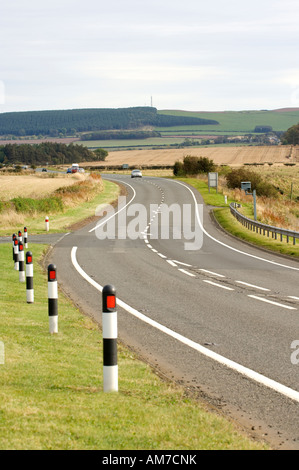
pixel 16 253
pixel 25 237
pixel 20 236
pixel 14 236
pixel 21 262
pixel 29 278
pixel 109 325
pixel 52 299
pixel 47 225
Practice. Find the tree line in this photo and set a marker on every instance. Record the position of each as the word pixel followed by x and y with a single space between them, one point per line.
pixel 68 122
pixel 120 135
pixel 48 152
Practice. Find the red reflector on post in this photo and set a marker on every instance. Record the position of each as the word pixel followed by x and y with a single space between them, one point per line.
pixel 111 301
pixel 52 275
pixel 29 259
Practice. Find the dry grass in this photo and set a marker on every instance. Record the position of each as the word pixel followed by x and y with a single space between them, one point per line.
pixel 34 186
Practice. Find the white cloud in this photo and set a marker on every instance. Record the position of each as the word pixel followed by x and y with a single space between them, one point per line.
pixel 76 54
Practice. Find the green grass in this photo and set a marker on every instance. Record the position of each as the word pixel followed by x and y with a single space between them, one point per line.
pixel 231 225
pixel 239 121
pixel 211 198
pixel 51 386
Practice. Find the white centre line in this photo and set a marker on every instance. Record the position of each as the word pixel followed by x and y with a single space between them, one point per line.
pixel 186 272
pixel 252 285
pixel 293 297
pixel 171 263
pixel 183 264
pixel 271 302
pixel 218 285
pixel 211 272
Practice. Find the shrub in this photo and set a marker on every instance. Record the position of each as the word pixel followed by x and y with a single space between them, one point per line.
pixel 178 169
pixel 193 166
pixel 29 205
pixel 235 177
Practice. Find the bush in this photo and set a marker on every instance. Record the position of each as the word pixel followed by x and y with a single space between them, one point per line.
pixel 235 177
pixel 193 166
pixel 178 169
pixel 28 205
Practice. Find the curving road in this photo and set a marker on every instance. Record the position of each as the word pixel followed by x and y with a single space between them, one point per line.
pixel 221 318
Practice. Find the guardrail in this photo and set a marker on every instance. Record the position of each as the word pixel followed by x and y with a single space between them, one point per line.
pixel 262 229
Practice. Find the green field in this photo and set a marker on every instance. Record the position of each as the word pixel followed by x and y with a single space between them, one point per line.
pixel 239 121
pixel 231 123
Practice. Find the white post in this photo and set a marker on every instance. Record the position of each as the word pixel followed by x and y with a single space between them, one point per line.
pixel 109 325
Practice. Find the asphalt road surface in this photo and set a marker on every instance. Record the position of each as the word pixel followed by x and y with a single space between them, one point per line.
pixel 214 314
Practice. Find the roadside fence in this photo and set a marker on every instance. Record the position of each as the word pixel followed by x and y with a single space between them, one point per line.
pixel 263 229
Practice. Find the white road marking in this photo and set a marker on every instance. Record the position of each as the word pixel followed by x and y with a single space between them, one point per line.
pixel 218 285
pixel 224 244
pixel 272 302
pixel 183 264
pixel 259 378
pixel 117 212
pixel 293 297
pixel 252 285
pixel 171 263
pixel 186 272
pixel 162 256
pixel 211 272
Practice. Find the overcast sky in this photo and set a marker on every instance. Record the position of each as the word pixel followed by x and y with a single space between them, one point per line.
pixel 195 55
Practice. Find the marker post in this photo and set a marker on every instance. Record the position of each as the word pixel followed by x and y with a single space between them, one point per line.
pixel 16 253
pixel 21 263
pixel 52 299
pixel 14 237
pixel 29 278
pixel 25 237
pixel 109 325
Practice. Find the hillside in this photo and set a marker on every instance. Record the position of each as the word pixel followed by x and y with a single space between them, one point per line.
pixel 69 122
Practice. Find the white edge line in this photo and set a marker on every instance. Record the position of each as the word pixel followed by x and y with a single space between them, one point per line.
pixel 117 212
pixel 282 389
pixel 224 244
pixel 293 297
pixel 271 302
pixel 218 285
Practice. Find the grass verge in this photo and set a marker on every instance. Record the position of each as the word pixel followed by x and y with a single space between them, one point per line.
pixel 51 385
pixel 230 224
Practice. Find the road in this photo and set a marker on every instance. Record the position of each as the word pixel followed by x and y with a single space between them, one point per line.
pixel 203 309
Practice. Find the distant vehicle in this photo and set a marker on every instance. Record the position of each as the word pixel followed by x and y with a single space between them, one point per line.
pixel 75 167
pixel 44 169
pixel 136 174
pixel 69 170
pixel 81 170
